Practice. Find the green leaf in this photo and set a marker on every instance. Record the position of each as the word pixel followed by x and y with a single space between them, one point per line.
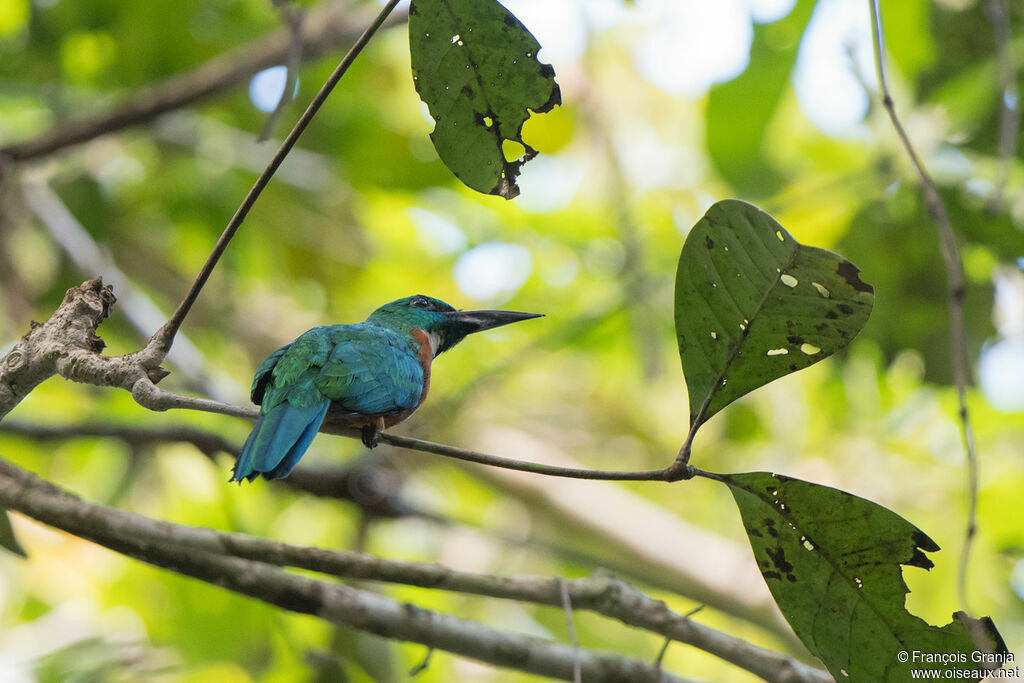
pixel 832 562
pixel 7 538
pixel 476 67
pixel 739 111
pixel 753 304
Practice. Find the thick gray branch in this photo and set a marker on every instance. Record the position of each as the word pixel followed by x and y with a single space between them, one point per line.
pixel 67 345
pixel 60 345
pixel 200 553
pixel 602 594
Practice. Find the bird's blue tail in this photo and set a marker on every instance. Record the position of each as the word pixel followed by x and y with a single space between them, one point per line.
pixel 277 441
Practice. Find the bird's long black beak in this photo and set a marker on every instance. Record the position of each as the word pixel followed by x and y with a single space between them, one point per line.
pixel 478 321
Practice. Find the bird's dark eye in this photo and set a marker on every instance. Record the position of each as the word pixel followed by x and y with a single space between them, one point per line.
pixel 420 302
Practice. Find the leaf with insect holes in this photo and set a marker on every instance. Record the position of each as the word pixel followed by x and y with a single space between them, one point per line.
pixel 7 538
pixel 476 67
pixel 753 304
pixel 833 563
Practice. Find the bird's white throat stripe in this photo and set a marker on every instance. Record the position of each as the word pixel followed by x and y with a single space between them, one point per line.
pixel 435 343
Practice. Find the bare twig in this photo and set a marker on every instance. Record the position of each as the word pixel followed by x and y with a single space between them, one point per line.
pixel 209 443
pixel 956 289
pixel 563 589
pixel 324 31
pixel 306 169
pixel 150 396
pixel 140 536
pixel 423 665
pixel 161 341
pixel 670 473
pixel 293 17
pixel 1009 117
pixel 661 652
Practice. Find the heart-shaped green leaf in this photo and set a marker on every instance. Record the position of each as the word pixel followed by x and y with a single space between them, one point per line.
pixel 476 67
pixel 833 564
pixel 753 304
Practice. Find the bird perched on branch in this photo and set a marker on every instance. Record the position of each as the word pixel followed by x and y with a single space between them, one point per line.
pixel 368 376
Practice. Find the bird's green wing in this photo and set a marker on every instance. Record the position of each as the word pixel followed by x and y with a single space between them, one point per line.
pixel 371 370
pixel 363 369
pixel 291 408
pixel 262 378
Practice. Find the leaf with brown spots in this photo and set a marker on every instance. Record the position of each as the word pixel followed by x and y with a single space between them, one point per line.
pixel 753 305
pixel 476 67
pixel 833 563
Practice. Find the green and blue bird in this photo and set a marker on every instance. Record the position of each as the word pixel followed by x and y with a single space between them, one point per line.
pixel 367 376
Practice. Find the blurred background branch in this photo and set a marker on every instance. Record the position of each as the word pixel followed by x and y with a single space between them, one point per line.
pixel 361 484
pixel 324 30
pixel 292 17
pixel 1009 111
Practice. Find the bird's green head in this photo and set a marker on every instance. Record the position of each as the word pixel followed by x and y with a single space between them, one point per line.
pixel 445 326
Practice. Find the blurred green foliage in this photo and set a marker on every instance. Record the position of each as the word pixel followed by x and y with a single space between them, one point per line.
pixel 364 212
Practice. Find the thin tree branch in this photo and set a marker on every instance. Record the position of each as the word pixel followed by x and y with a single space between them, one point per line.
pixel 161 341
pixel 66 345
pixel 423 665
pixel 654 546
pixel 138 536
pixel 150 396
pixel 661 652
pixel 325 30
pixel 306 170
pixel 956 289
pixel 293 18
pixel 637 284
pixel 563 590
pixel 209 443
pixel 1009 116
pixel 668 474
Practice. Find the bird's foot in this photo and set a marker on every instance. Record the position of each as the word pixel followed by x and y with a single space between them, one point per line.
pixel 371 436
